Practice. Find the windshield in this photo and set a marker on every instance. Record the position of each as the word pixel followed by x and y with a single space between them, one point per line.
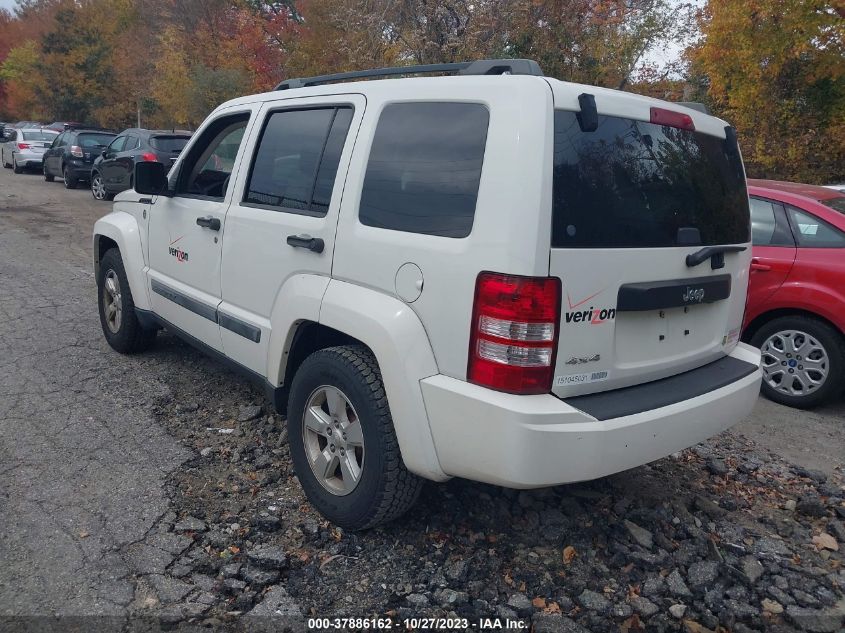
pixel 39 136
pixel 169 143
pixel 632 184
pixel 95 140
pixel 837 204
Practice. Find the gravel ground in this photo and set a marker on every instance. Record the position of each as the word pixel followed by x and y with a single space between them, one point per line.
pixel 158 491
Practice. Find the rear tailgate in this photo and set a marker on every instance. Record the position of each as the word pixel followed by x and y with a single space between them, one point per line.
pixel 632 200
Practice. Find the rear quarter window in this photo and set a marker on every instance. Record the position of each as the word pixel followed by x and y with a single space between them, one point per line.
pixel 633 184
pixel 424 168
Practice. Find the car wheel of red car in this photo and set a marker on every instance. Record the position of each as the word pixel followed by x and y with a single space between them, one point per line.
pixel 803 361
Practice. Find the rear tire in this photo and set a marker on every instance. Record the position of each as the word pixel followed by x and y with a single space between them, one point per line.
pixel 70 183
pixel 121 327
pixel 15 167
pixel 382 488
pixel 803 361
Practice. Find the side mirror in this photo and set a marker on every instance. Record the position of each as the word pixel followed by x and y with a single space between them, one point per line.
pixel 104 152
pixel 151 179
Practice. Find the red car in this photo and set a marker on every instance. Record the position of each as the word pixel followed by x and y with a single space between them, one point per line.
pixel 796 297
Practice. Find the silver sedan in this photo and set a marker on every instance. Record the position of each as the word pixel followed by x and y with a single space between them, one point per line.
pixel 22 149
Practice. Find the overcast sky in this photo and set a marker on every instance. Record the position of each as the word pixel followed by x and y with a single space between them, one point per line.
pixel 7 4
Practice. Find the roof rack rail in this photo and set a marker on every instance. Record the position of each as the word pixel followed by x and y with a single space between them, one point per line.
pixel 479 67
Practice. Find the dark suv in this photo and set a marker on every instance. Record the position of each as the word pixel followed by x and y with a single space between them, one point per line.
pixel 72 154
pixel 113 170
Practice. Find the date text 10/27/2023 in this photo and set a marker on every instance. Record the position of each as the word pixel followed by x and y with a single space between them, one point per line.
pixel 417 624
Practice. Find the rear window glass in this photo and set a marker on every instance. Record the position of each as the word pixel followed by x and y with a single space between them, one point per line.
pixel 837 204
pixel 94 140
pixel 425 168
pixel 39 136
pixel 632 184
pixel 169 143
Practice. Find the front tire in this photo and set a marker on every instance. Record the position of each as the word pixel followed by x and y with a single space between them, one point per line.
pixel 120 324
pixel 803 361
pixel 70 183
pixel 47 175
pixel 342 441
pixel 98 188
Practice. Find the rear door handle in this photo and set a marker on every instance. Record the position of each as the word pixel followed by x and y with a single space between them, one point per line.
pixel 314 244
pixel 756 265
pixel 209 222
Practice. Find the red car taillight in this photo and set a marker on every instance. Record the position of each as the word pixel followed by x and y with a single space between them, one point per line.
pixel 513 341
pixel 23 145
pixel 149 157
pixel 75 150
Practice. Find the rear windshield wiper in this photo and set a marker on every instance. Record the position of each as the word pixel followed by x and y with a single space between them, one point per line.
pixel 716 255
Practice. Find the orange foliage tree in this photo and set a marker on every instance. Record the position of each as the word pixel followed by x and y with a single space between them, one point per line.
pixel 777 72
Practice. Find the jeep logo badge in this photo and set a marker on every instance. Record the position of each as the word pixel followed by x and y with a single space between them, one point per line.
pixel 694 295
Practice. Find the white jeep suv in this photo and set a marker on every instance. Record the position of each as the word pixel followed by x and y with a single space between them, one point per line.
pixel 493 275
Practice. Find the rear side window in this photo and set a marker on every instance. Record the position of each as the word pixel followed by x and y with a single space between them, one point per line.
pixel 296 163
pixel 425 168
pixel 169 143
pixel 632 184
pixel 763 221
pixel 812 232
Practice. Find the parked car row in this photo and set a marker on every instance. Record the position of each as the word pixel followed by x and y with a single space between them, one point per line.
pixel 78 153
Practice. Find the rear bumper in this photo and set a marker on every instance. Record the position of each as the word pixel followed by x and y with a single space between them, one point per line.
pixel 78 169
pixel 28 159
pixel 535 441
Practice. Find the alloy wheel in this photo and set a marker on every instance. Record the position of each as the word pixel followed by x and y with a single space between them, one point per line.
pixel 112 302
pixel 334 440
pixel 794 363
pixel 98 188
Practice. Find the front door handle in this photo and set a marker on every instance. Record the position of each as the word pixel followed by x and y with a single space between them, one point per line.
pixel 209 222
pixel 314 244
pixel 756 265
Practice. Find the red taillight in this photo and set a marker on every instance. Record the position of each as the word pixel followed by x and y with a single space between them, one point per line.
pixel 75 150
pixel 661 116
pixel 23 145
pixel 149 157
pixel 513 341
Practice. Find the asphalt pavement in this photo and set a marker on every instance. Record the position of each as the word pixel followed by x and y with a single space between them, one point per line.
pixel 83 460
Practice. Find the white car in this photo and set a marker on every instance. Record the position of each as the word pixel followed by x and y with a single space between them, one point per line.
pixel 496 275
pixel 24 148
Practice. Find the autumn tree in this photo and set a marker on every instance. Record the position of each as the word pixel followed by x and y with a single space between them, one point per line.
pixel 777 72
